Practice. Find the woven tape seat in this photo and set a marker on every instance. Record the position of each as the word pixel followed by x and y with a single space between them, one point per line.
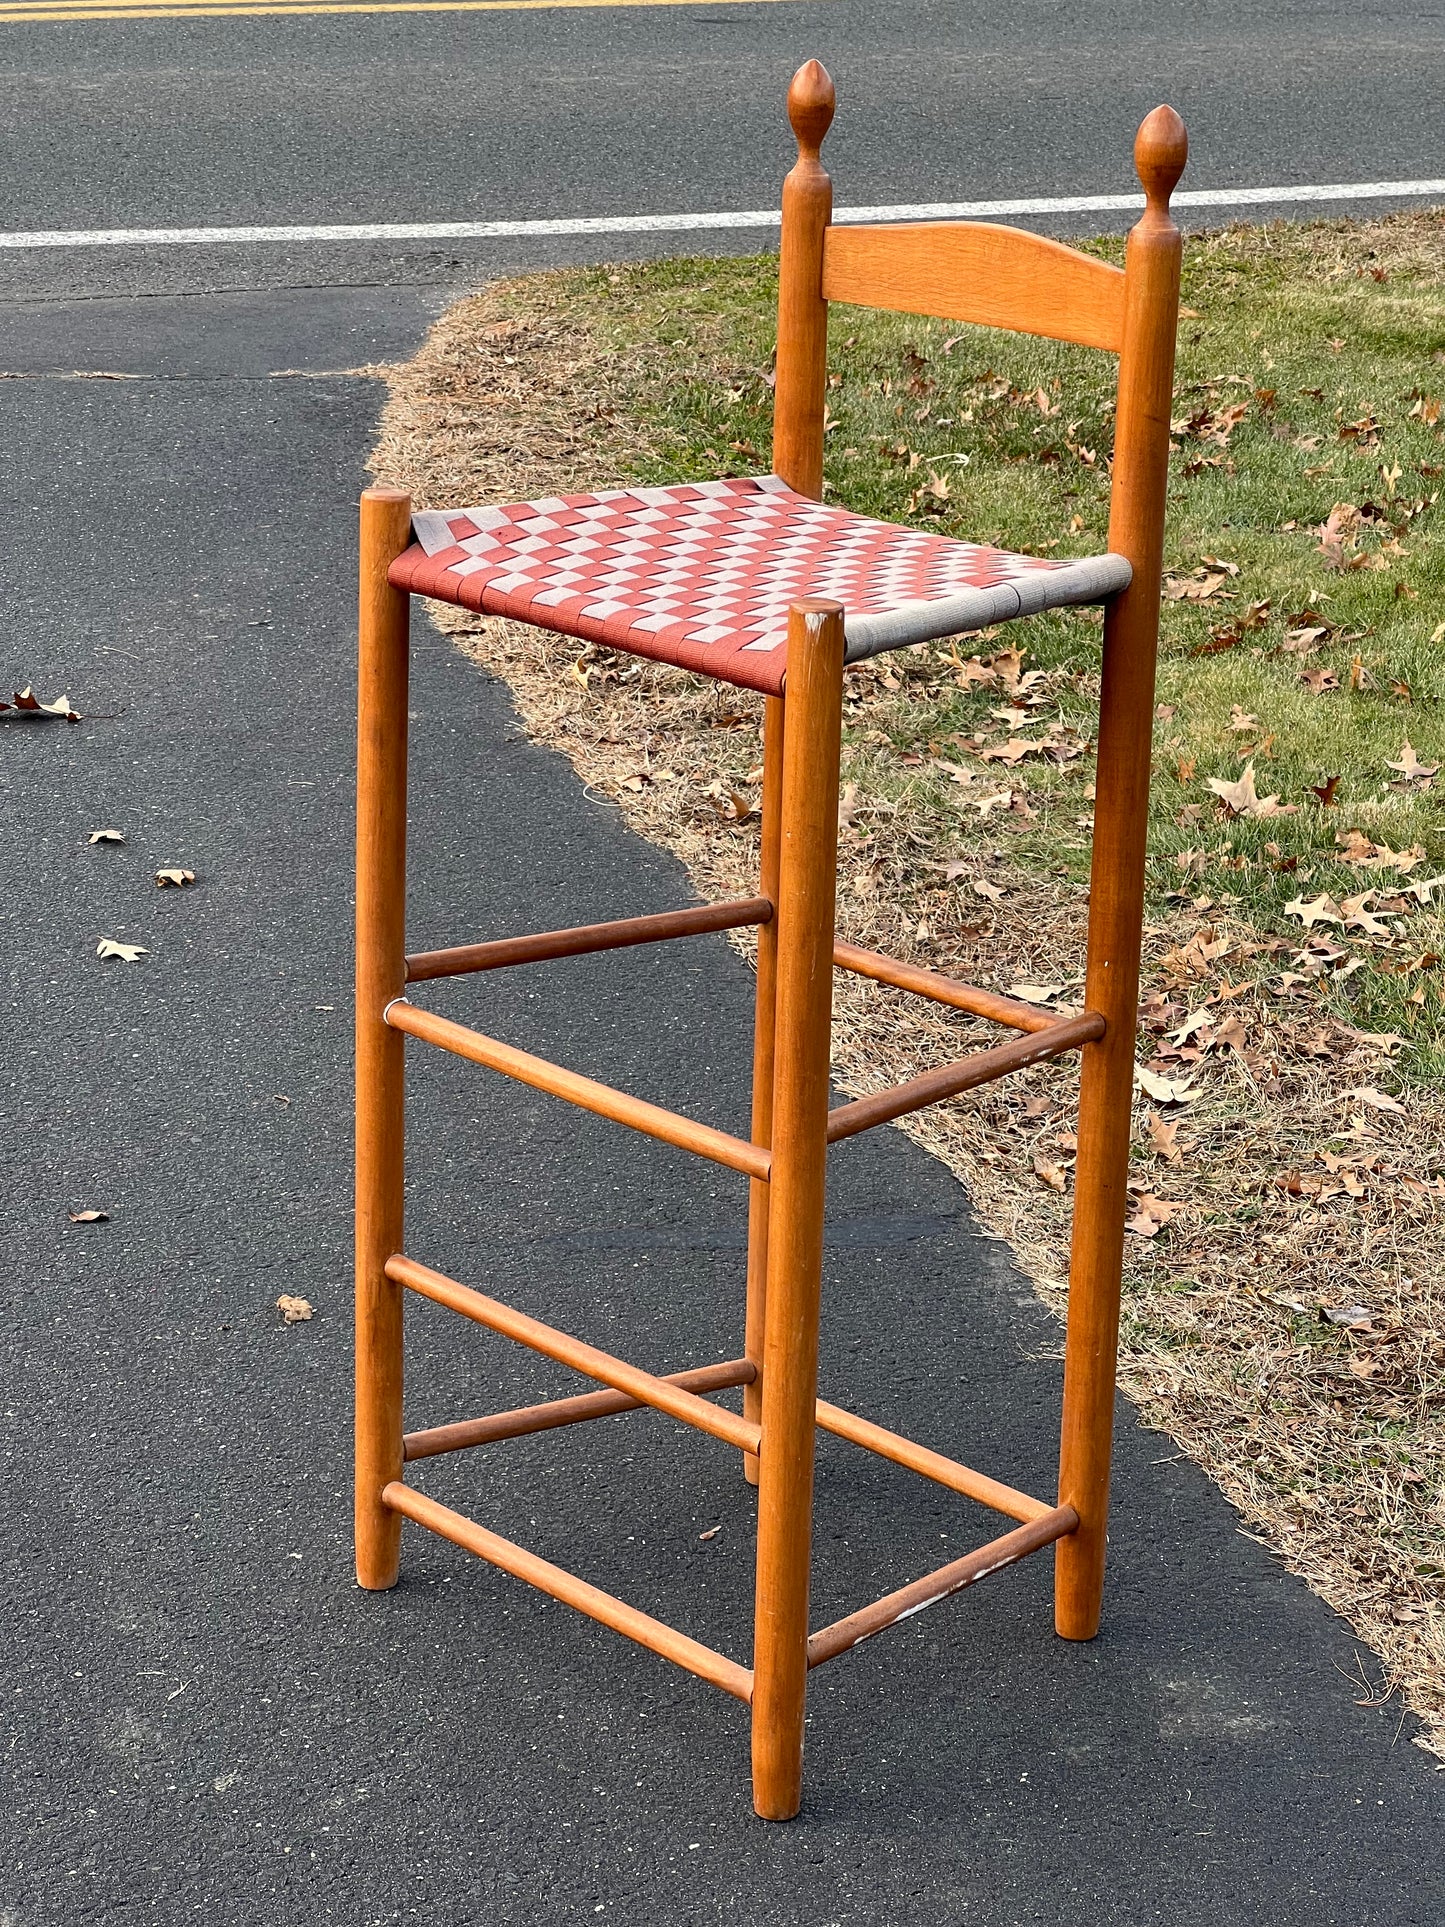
pixel 702 574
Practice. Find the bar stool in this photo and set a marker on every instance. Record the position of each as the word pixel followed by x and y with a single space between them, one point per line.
pixel 755 581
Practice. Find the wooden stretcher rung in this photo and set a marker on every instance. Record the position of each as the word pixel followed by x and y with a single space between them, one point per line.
pixel 622 1377
pixel 585 938
pixel 523 1419
pixel 982 1067
pixel 827 1643
pixel 933 1465
pixel 572 1591
pixel 941 989
pixel 751 1159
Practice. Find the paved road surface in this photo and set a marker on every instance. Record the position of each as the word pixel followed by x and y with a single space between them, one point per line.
pixel 205 1720
pixel 620 110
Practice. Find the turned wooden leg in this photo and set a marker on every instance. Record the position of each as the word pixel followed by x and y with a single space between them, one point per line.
pixel 806 889
pixel 1116 884
pixel 380 976
pixel 763 1027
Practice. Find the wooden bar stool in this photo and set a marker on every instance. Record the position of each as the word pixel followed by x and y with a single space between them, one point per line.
pixel 755 581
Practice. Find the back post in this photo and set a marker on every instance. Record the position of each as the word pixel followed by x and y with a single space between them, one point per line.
pixel 802 368
pixel 801 381
pixel 1116 890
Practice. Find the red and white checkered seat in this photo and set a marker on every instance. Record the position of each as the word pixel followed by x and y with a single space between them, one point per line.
pixel 702 574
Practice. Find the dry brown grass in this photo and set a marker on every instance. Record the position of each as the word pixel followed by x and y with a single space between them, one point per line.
pixel 1270 1198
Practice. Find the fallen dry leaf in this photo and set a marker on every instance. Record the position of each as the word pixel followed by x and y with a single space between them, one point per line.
pixel 981 887
pixel 1163 1137
pixel 1377 1100
pixel 1240 798
pixel 1320 909
pixel 1164 1090
pixel 1353 1318
pixel 174 878
pixel 1151 1215
pixel 1049 1174
pixel 1321 681
pixel 106 836
pixel 28 702
pixel 295 1311
pixel 711 1533
pixel 1410 766
pixel 127 952
pixel 90 1216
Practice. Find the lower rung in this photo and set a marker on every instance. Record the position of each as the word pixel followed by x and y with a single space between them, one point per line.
pixel 524 1419
pixel 572 1591
pixel 911 1599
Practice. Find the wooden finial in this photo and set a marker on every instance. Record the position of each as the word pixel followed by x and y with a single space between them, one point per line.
pixel 812 99
pixel 1161 147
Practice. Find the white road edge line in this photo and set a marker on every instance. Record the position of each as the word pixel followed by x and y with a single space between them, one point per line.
pixel 1224 197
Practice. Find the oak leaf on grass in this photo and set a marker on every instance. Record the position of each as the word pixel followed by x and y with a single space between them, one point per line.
pixel 1320 909
pixel 1410 766
pixel 1241 798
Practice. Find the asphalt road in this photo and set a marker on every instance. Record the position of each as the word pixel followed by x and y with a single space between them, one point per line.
pixel 621 110
pixel 205 1721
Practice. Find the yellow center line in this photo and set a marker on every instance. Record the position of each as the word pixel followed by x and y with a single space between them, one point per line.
pixel 43 10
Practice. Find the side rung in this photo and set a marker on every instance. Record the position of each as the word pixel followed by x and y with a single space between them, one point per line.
pixel 846 1120
pixel 940 989
pixel 569 1351
pixel 585 1092
pixel 546 1577
pixel 908 1600
pixel 585 938
pixel 933 1465
pixel 523 1419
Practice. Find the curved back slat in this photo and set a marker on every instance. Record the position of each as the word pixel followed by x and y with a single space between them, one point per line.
pixel 997 277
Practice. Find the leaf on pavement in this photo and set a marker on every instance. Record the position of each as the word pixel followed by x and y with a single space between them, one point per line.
pixel 90 1216
pixel 175 879
pixel 106 836
pixel 127 952
pixel 295 1311
pixel 27 701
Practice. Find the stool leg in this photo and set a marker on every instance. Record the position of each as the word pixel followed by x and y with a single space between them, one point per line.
pixel 380 976
pixel 758 1192
pixel 806 891
pixel 1116 910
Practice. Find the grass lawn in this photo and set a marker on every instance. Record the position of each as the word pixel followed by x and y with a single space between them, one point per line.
pixel 1285 1309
